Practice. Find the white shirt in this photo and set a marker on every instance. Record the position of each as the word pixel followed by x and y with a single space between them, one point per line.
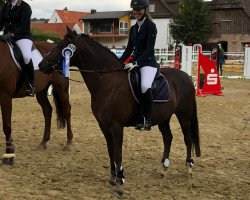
pixel 13 3
pixel 140 23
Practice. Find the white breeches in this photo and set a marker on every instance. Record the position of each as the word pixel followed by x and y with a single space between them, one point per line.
pixel 147 77
pixel 25 46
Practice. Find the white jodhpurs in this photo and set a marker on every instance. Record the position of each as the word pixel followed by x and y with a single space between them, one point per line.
pixel 147 77
pixel 25 46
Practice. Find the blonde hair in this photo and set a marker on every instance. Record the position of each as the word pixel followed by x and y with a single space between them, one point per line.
pixel 148 16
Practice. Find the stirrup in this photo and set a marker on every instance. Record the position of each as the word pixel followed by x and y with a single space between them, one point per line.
pixel 140 124
pixel 147 126
pixel 139 127
pixel 31 91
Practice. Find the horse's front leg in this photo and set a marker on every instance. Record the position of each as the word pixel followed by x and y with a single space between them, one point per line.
pixel 114 138
pixel 6 108
pixel 109 140
pixel 42 99
pixel 117 135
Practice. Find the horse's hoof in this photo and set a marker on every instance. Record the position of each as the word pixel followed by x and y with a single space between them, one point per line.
pixel 8 159
pixel 162 172
pixel 112 180
pixel 163 168
pixel 190 165
pixel 67 146
pixel 119 190
pixel 69 142
pixel 42 147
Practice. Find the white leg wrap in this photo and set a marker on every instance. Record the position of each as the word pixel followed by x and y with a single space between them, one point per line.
pixel 9 155
pixel 166 163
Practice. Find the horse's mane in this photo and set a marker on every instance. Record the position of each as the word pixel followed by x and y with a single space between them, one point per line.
pixel 100 46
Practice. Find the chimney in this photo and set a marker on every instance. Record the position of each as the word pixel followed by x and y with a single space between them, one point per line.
pixel 66 9
pixel 93 11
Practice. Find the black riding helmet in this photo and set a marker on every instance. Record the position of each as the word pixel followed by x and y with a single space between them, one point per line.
pixel 139 4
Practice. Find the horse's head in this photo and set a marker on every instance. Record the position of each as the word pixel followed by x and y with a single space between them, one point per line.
pixel 53 59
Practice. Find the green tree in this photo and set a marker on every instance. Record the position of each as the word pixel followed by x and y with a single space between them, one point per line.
pixel 191 24
pixel 1 3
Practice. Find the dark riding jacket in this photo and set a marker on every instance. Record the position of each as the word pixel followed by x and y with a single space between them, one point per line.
pixel 141 44
pixel 16 20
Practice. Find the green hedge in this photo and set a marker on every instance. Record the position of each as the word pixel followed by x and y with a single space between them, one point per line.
pixel 39 35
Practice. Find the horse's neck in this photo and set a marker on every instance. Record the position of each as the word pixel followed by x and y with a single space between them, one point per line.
pixel 103 83
pixel 97 61
pixel 43 47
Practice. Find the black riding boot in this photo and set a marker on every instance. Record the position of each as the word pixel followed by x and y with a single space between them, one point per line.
pixel 145 119
pixel 147 108
pixel 30 79
pixel 140 124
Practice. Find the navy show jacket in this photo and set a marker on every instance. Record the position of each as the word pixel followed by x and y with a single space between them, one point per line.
pixel 16 20
pixel 141 43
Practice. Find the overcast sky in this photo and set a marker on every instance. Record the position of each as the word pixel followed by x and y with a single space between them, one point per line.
pixel 45 8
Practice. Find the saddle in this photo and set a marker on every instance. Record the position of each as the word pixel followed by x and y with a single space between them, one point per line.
pixel 19 61
pixel 160 86
pixel 18 58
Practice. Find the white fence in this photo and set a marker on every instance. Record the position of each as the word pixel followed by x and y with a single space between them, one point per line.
pixel 234 60
pixel 168 56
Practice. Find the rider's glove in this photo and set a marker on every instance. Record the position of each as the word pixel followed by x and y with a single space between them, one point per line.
pixel 6 36
pixel 131 66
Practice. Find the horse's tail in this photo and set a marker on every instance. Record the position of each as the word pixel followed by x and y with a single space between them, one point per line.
pixel 195 131
pixel 61 121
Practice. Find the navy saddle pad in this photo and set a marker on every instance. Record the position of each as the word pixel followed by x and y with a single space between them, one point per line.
pixel 160 87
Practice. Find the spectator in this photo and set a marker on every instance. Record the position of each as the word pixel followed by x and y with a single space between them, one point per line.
pixel 220 59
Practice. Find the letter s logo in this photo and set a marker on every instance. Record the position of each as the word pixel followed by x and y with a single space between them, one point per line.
pixel 212 79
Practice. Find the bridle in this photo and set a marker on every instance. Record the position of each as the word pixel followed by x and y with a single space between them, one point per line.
pixel 54 64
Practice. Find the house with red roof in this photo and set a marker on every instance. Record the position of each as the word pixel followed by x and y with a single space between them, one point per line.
pixel 66 16
pixel 59 20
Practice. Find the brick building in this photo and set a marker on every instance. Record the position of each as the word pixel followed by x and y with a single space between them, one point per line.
pixel 230 23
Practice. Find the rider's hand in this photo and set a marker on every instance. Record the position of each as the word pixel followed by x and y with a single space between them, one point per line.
pixel 131 66
pixel 6 36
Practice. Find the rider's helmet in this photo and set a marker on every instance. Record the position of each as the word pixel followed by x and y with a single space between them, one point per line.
pixel 139 4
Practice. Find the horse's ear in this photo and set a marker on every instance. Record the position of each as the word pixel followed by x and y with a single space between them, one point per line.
pixel 68 30
pixel 71 33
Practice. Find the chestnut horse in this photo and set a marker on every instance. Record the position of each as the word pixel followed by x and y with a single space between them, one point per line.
pixel 13 85
pixel 114 106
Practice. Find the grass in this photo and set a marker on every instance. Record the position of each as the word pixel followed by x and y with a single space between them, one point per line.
pixel 40 35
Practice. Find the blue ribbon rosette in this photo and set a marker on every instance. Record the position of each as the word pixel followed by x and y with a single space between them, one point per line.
pixel 67 53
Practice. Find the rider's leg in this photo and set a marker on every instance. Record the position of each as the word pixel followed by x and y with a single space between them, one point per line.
pixel 25 46
pixel 147 77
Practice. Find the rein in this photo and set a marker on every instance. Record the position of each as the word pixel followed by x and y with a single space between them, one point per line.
pixel 56 63
pixel 89 71
pixel 97 71
pixel 74 40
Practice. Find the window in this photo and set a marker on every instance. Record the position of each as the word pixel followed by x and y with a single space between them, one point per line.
pixel 124 25
pixel 123 28
pixel 151 8
pixel 106 28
